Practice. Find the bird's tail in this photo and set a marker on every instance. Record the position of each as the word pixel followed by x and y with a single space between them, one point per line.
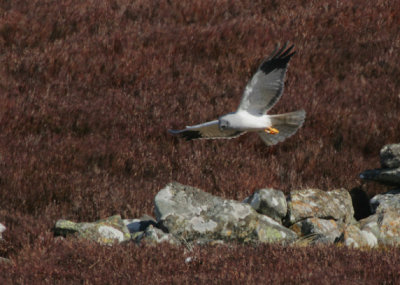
pixel 287 124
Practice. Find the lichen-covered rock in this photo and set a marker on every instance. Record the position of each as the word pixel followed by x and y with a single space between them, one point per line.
pixel 327 230
pixel 106 231
pixel 352 236
pixel 386 201
pixel 370 224
pixel 390 156
pixel 153 236
pixel 315 203
pixel 192 214
pixel 389 176
pixel 140 224
pixel 390 227
pixel 384 225
pixel 269 202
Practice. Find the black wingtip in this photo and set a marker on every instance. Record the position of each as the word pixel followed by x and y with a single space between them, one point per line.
pixel 278 59
pixel 188 135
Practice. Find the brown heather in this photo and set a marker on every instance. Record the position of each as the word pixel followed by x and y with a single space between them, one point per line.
pixel 88 90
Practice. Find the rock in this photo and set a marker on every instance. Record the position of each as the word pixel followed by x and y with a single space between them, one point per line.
pixel 106 231
pixel 370 225
pixel 388 176
pixel 326 230
pixel 389 226
pixel 140 224
pixel 153 236
pixel 269 202
pixel 315 203
pixel 390 156
pixel 192 214
pixel 386 201
pixel 390 172
pixel 352 236
pixel 2 229
pixel 385 226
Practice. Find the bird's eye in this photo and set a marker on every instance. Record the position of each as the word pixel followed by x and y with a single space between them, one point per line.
pixel 223 125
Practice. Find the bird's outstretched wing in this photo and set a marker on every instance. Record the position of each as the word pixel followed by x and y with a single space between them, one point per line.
pixel 209 130
pixel 266 86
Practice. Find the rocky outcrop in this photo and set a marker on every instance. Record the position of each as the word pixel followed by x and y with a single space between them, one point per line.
pixel 389 173
pixel 186 215
pixel 384 224
pixel 192 214
pixel 106 231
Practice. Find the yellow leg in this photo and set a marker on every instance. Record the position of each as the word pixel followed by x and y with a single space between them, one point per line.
pixel 271 131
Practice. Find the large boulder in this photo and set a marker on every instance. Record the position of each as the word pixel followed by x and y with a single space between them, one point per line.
pixel 192 214
pixel 315 203
pixel 106 231
pixel 269 202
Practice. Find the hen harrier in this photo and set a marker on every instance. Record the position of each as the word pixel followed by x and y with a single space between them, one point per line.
pixel 260 94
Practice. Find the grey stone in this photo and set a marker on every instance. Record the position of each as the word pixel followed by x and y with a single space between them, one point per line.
pixel 352 236
pixel 390 156
pixel 192 214
pixel 327 230
pixel 385 226
pixel 315 203
pixel 269 202
pixel 388 176
pixel 106 231
pixel 153 236
pixel 386 201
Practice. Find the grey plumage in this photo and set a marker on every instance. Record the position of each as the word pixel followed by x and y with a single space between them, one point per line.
pixel 261 93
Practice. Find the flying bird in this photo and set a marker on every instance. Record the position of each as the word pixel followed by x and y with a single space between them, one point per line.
pixel 261 93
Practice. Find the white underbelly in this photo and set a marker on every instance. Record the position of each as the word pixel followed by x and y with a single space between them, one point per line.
pixel 252 123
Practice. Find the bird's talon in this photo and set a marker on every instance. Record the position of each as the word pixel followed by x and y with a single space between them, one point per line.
pixel 271 131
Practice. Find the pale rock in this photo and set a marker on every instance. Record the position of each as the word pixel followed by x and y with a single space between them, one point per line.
pixel 106 231
pixel 315 203
pixel 194 215
pixel 269 202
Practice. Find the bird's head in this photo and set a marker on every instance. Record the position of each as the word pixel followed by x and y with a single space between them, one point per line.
pixel 223 125
pixel 224 122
